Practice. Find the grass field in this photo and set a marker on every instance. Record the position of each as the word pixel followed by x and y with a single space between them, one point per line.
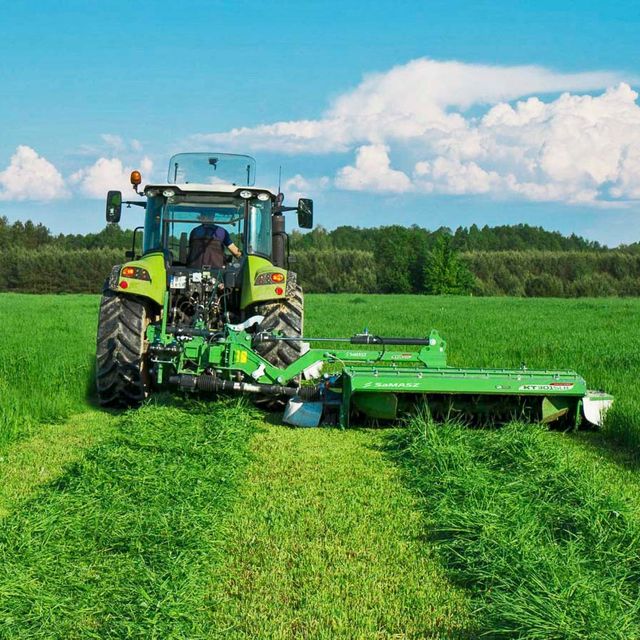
pixel 186 520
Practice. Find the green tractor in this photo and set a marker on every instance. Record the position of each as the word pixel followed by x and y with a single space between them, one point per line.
pixel 187 280
pixel 185 315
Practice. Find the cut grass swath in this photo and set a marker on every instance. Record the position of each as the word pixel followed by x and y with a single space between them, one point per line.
pixel 122 544
pixel 547 545
pixel 326 544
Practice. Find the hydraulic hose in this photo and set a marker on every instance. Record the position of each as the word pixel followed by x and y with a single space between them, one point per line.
pixel 360 338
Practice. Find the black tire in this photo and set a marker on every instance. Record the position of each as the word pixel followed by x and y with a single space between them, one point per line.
pixel 121 351
pixel 287 317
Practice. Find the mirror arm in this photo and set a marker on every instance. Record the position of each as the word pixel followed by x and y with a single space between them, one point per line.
pixel 135 203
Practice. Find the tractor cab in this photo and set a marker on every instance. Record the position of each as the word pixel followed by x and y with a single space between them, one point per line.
pixel 212 189
pixel 176 213
pixel 214 245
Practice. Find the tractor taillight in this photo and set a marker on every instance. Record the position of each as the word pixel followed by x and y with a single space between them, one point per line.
pixel 279 291
pixel 137 273
pixel 270 277
pixel 124 284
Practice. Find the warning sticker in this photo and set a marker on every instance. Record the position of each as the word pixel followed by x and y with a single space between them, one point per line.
pixel 554 386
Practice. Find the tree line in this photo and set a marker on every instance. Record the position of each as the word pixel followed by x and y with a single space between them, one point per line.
pixel 518 260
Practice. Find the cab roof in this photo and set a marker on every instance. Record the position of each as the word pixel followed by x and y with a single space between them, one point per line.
pixel 192 187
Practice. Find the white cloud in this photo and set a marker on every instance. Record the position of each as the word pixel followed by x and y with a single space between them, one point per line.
pixel 106 174
pixel 574 149
pixel 373 172
pixel 301 187
pixel 408 101
pixel 29 176
pixel 578 149
pixel 111 144
pixel 453 176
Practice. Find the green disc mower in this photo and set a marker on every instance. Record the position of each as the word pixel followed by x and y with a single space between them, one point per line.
pixel 185 315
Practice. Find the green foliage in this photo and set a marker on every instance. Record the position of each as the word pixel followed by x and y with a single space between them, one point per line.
pixel 28 235
pixel 444 273
pixel 555 274
pixel 54 270
pixel 543 286
pixel 332 271
pixel 514 260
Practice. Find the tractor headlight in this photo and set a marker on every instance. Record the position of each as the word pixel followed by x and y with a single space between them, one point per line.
pixel 168 193
pixel 245 194
pixel 263 196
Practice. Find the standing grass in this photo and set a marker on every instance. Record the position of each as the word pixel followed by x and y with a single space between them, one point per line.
pixel 325 543
pixel 47 347
pixel 121 545
pixel 546 542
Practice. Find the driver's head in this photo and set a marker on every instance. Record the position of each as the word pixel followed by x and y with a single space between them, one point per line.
pixel 206 218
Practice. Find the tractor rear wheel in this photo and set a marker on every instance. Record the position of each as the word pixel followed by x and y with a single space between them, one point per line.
pixel 122 377
pixel 286 317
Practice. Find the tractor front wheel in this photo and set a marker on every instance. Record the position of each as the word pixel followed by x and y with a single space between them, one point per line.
pixel 122 378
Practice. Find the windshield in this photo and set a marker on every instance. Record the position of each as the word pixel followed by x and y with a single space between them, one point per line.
pixel 212 168
pixel 170 223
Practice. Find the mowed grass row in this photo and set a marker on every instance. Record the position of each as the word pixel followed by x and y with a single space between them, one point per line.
pixel 326 543
pixel 123 543
pixel 47 347
pixel 543 537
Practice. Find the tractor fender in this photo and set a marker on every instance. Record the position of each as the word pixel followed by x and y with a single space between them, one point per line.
pixel 146 278
pixel 258 285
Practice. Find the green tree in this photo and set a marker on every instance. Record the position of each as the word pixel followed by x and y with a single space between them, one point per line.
pixel 444 272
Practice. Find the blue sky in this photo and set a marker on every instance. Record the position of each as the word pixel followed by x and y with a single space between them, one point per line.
pixel 87 85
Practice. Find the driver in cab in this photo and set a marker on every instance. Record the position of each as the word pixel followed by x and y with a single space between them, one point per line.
pixel 206 245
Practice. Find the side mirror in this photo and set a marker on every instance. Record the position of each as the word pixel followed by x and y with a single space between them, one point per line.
pixel 114 206
pixel 305 213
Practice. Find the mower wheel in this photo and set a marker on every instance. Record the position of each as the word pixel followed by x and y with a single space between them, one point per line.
pixel 122 378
